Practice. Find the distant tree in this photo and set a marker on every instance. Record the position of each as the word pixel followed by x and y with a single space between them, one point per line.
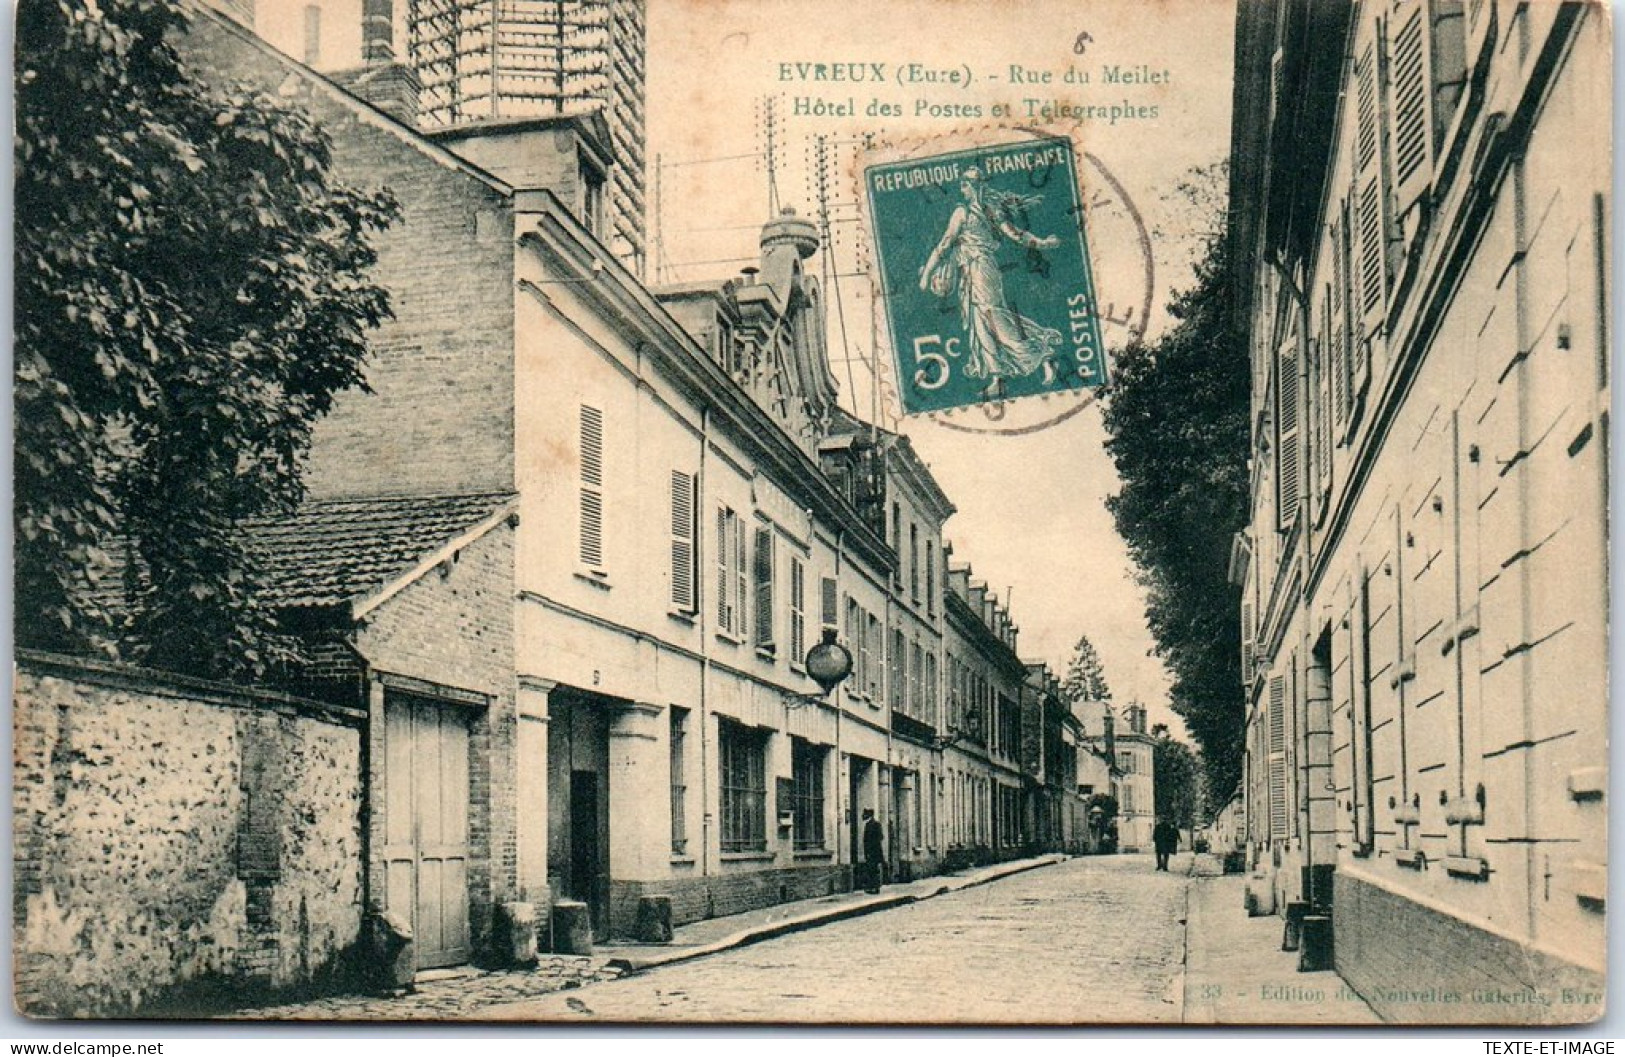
pixel 190 295
pixel 1176 420
pixel 1085 676
pixel 1175 777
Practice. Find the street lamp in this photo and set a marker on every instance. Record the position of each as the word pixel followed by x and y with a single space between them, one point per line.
pixel 829 663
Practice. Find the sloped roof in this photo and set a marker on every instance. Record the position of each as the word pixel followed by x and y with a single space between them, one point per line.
pixel 333 551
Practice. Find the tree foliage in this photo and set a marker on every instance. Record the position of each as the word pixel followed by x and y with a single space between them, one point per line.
pixel 191 293
pixel 1174 778
pixel 1085 675
pixel 1176 419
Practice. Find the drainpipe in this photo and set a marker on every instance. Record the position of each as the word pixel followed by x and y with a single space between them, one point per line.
pixel 705 651
pixel 840 819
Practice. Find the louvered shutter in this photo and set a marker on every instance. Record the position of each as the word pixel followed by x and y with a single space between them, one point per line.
pixel 724 542
pixel 1370 221
pixel 1247 642
pixel 798 610
pixel 591 549
pixel 1339 356
pixel 1277 758
pixel 684 582
pixel 1288 457
pixel 1408 100
pixel 740 576
pixel 829 603
pixel 764 588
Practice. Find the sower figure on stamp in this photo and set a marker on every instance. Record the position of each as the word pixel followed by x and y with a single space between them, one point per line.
pixel 1000 341
pixel 1165 837
pixel 874 851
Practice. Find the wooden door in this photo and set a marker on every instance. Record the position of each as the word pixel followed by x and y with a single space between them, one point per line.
pixel 426 826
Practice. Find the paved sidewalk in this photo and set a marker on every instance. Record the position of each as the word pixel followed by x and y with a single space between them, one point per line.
pixel 700 938
pixel 1236 972
pixel 469 993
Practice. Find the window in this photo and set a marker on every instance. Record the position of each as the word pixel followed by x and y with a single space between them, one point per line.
pixel 829 600
pixel 685 527
pixel 916 680
pixel 798 611
pixel 930 577
pixel 1128 800
pixel 679 782
pixel 742 753
pixel 763 566
pixel 725 346
pixel 914 563
pixel 1277 758
pixel 860 652
pixel 1125 761
pixel 874 646
pixel 932 698
pixel 897 542
pixel 898 671
pixel 730 546
pixel 591 549
pixel 807 803
pixel 1288 474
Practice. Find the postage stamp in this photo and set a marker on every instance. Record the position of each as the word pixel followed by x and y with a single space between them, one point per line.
pixel 984 258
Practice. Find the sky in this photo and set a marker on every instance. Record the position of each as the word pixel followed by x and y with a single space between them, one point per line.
pixel 1030 487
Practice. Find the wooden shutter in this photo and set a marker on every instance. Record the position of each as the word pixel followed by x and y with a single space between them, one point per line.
pixel 1339 296
pixel 592 487
pixel 1408 100
pixel 723 542
pixel 1369 220
pixel 764 587
pixel 1288 479
pixel 1247 642
pixel 684 527
pixel 829 604
pixel 798 610
pixel 739 576
pixel 1277 758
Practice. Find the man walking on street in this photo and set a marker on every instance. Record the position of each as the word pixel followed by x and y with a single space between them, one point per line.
pixel 1166 839
pixel 874 850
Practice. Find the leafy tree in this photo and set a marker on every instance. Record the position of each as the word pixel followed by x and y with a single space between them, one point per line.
pixel 190 294
pixel 1085 676
pixel 1176 420
pixel 1174 776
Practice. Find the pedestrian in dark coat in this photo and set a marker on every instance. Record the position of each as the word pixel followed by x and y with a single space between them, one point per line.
pixel 1166 839
pixel 874 850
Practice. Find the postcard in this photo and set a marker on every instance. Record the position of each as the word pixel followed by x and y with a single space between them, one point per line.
pixel 812 512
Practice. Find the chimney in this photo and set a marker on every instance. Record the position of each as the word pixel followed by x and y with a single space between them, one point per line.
pixel 377 32
pixel 313 35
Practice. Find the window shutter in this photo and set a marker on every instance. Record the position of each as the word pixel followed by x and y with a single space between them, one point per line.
pixel 1288 469
pixel 1340 317
pixel 1277 758
pixel 764 587
pixel 739 575
pixel 1369 221
pixel 1409 99
pixel 829 603
pixel 592 487
pixel 684 581
pixel 1247 642
pixel 798 610
pixel 724 541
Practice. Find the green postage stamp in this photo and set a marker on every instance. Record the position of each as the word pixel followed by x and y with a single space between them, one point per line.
pixel 985 261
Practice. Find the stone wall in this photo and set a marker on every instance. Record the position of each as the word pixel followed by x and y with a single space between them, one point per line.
pixel 701 898
pixel 177 844
pixel 1417 965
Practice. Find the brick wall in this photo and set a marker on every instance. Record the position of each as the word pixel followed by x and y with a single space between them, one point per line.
pixel 1415 965
pixel 440 417
pixel 456 630
pixel 178 845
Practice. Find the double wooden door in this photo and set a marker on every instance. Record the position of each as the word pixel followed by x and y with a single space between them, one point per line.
pixel 426 825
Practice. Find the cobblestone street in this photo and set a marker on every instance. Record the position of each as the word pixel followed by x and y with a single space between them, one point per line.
pixel 1090 940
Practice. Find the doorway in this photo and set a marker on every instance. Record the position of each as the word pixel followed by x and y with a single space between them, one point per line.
pixel 578 803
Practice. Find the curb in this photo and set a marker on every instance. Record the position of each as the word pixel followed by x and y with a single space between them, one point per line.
pixel 633 966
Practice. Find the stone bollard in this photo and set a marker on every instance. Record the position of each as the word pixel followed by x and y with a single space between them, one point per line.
pixel 654 920
pixel 1260 897
pixel 1292 933
pixel 572 927
pixel 516 933
pixel 1315 952
pixel 391 957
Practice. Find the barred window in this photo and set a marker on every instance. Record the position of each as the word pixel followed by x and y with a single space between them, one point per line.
pixel 679 782
pixel 807 770
pixel 742 753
